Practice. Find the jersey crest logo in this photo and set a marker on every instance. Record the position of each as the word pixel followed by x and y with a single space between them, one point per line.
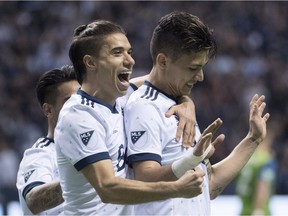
pixel 136 135
pixel 85 137
pixel 27 175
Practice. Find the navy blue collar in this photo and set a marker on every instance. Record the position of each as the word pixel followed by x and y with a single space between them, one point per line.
pixel 147 83
pixel 96 100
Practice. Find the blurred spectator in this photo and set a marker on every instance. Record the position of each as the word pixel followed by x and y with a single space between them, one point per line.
pixel 8 165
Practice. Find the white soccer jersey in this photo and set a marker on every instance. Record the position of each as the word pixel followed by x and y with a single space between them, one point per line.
pixel 38 166
pixel 151 136
pixel 89 130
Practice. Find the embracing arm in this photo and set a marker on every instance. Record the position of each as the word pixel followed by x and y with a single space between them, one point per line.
pixel 223 172
pixel 111 188
pixel 44 197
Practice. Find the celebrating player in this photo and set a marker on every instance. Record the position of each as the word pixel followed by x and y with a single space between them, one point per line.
pixel 90 138
pixel 38 177
pixel 180 47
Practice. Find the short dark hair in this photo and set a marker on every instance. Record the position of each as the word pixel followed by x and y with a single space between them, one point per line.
pixel 181 33
pixel 88 40
pixel 46 87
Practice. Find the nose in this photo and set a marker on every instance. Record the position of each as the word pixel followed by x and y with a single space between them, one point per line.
pixel 129 61
pixel 200 76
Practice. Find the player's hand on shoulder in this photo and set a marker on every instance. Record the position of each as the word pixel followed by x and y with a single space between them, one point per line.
pixel 185 111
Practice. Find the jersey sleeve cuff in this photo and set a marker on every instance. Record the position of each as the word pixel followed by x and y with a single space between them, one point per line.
pixel 143 157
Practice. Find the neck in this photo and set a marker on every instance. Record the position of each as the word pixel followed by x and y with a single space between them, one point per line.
pixel 157 79
pixel 97 93
pixel 50 134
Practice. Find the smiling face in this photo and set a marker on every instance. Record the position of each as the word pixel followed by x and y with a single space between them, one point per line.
pixel 183 73
pixel 113 68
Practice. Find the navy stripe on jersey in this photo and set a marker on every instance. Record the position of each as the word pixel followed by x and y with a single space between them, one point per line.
pixel 30 187
pixel 43 142
pixel 91 159
pixel 152 92
pixel 143 157
pixel 133 86
pixel 89 101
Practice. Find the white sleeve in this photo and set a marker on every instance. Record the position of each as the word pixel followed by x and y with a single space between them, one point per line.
pixel 142 126
pixel 37 167
pixel 80 135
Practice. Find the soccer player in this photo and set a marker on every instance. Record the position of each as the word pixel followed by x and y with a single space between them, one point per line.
pixel 38 177
pixel 90 138
pixel 180 47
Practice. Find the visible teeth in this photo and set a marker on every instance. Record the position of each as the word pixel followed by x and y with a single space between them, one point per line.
pixel 124 76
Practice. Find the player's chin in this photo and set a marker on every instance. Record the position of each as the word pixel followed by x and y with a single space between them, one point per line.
pixel 122 90
pixel 187 90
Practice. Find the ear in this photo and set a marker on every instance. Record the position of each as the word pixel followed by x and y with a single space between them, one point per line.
pixel 89 61
pixel 161 60
pixel 48 110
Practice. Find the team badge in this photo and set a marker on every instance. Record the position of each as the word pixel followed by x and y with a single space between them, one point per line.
pixel 136 135
pixel 27 175
pixel 85 137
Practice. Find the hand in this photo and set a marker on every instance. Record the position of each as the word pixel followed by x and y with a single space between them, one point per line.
pixel 206 139
pixel 257 130
pixel 187 120
pixel 190 184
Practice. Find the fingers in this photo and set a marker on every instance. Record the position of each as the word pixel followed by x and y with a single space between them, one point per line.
pixel 180 131
pixel 266 117
pixel 258 105
pixel 170 112
pixel 186 132
pixel 199 172
pixel 186 126
pixel 202 144
pixel 212 128
pixel 218 140
pixel 192 136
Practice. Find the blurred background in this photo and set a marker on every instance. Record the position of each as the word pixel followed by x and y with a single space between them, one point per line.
pixel 252 58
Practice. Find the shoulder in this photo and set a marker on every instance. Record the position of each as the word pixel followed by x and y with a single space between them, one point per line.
pixel 43 142
pixel 44 147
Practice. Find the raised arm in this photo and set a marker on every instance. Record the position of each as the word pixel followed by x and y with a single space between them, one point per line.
pixel 226 170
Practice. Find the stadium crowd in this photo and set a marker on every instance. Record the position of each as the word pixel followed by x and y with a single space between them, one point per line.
pixel 252 58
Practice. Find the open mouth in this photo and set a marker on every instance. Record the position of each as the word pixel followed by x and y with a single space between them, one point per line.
pixel 124 77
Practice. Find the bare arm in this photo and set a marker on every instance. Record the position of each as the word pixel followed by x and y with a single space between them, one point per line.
pixel 226 170
pixel 44 197
pixel 111 189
